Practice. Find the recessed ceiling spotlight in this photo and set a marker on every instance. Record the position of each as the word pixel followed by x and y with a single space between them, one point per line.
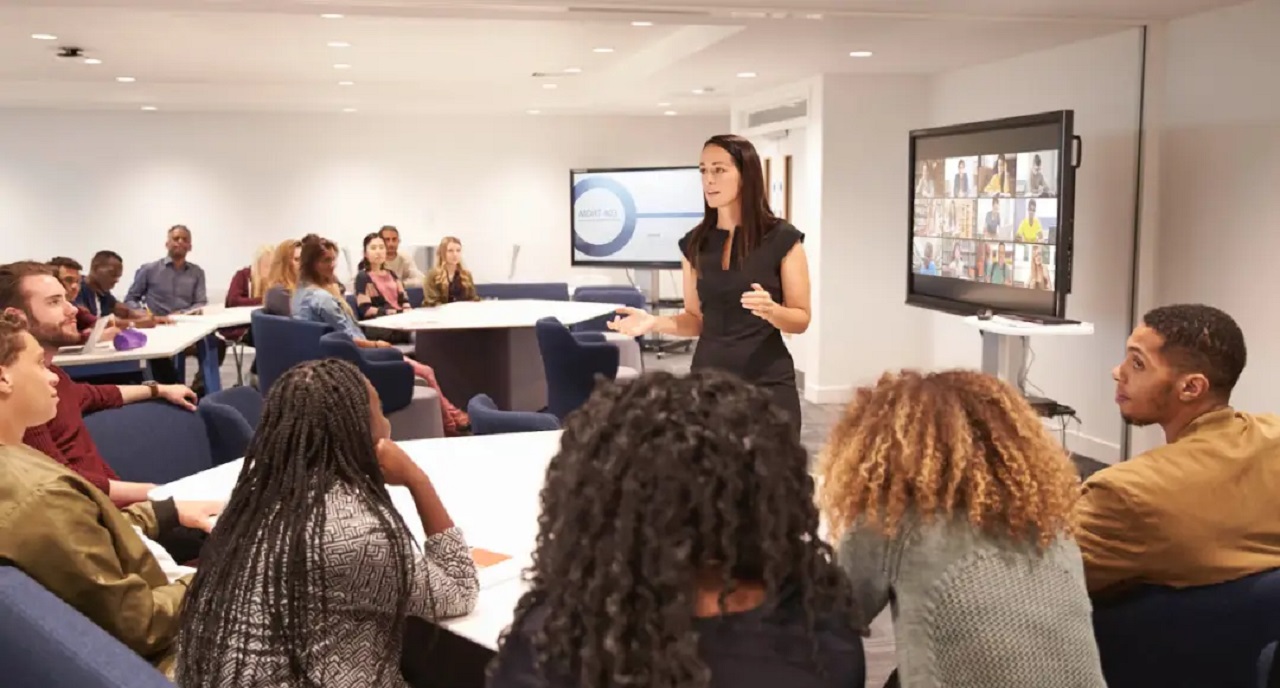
pixel 44 37
pixel 346 83
pixel 602 50
pixel 534 112
pixel 125 79
pixel 746 75
pixel 573 70
pixel 348 109
pixel 861 53
pixel 149 108
pixel 670 113
pixel 342 66
pixel 642 23
pixel 699 91
pixel 551 87
pixel 664 104
pixel 813 16
pixel 331 16
pixel 339 44
pixel 92 61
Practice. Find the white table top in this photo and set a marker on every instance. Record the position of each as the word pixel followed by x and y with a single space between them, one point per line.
pixel 1019 328
pixel 496 314
pixel 226 317
pixel 489 484
pixel 163 341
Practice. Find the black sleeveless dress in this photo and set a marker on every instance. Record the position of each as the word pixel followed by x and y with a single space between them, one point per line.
pixel 733 339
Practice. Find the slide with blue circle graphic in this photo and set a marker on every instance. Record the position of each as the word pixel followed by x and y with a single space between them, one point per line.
pixel 635 217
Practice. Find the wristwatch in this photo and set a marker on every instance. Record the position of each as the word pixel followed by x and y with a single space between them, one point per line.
pixel 154 387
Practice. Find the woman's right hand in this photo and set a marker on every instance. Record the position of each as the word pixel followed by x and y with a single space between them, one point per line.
pixel 397 467
pixel 636 322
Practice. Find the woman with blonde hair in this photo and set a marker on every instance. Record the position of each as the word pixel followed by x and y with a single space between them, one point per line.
pixel 282 278
pixel 449 281
pixel 951 503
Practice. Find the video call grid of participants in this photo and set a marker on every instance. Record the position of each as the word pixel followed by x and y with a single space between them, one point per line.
pixel 988 218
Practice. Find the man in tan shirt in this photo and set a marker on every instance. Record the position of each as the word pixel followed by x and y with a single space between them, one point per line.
pixel 402 265
pixel 1201 509
pixel 65 533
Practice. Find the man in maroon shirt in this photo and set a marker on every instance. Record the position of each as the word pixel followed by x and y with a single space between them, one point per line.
pixel 31 291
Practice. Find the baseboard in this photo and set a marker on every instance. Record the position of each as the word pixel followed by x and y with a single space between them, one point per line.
pixel 832 394
pixel 1085 445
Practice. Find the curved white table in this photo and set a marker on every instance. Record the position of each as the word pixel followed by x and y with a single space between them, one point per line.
pixel 489 484
pixel 489 346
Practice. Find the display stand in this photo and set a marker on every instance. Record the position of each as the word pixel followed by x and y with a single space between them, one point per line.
pixel 1004 345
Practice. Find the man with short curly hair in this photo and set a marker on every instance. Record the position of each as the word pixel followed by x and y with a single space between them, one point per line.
pixel 1200 509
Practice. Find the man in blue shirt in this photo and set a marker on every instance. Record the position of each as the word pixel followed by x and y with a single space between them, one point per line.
pixel 170 285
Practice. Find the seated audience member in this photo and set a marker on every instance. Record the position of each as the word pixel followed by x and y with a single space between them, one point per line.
pixel 95 292
pixel 379 292
pixel 1201 509
pixel 65 533
pixel 31 292
pixel 449 281
pixel 952 504
pixel 67 270
pixel 282 278
pixel 311 570
pixel 318 299
pixel 402 265
pixel 678 546
pixel 248 287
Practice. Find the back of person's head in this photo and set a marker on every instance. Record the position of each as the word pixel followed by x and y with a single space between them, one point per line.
pixel 660 482
pixel 284 269
pixel 950 445
pixel 1200 341
pixel 314 248
pixel 318 431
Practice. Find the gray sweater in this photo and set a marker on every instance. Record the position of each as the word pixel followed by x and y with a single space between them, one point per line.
pixel 975 611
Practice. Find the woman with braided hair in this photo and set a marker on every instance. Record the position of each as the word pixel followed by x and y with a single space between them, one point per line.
pixel 951 502
pixel 678 548
pixel 310 570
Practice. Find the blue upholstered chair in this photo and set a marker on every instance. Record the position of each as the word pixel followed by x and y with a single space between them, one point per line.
pixel 151 441
pixel 488 419
pixel 572 363
pixel 281 343
pixel 1193 637
pixel 230 418
pixel 45 642
pixel 417 296
pixel 547 291
pixel 626 295
pixel 413 409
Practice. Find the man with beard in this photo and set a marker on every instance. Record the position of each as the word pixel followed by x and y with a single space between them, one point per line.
pixel 1201 509
pixel 31 292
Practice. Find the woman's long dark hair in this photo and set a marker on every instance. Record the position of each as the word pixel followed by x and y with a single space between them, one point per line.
pixel 757 217
pixel 314 436
pixel 658 481
pixel 313 249
pixel 365 265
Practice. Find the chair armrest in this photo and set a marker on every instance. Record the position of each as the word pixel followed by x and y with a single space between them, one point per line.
pixel 393 380
pixel 589 337
pixel 391 354
pixel 601 358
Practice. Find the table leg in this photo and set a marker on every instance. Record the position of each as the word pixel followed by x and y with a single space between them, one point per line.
pixel 207 354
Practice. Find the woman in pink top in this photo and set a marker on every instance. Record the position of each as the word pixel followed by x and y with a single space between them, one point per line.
pixel 379 291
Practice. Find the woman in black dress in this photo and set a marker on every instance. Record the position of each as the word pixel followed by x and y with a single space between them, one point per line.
pixel 746 278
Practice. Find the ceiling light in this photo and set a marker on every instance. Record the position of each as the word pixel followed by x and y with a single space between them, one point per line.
pixel 813 16
pixel 331 16
pixel 642 23
pixel 346 83
pixel 699 91
pixel 664 104
pixel 125 79
pixel 149 108
pixel 44 37
pixel 339 44
pixel 348 109
pixel 573 70
pixel 860 53
pixel 670 113
pixel 92 61
pixel 746 75
pixel 602 50
pixel 551 86
pixel 534 112
pixel 342 66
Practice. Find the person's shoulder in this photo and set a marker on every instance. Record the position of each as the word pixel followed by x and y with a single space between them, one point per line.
pixel 782 236
pixel 683 243
pixel 26 474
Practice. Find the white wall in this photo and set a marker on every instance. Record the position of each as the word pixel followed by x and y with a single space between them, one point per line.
pixel 1098 79
pixel 1219 172
pixel 75 182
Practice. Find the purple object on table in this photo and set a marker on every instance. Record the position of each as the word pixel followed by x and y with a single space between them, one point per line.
pixel 129 339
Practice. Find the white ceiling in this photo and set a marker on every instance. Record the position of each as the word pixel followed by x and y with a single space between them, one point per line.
pixel 478 56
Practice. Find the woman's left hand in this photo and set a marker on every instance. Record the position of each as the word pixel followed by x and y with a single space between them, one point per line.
pixel 758 301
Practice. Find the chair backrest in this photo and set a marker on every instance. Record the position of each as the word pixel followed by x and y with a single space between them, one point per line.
pixel 624 294
pixel 488 419
pixel 1204 636
pixel 151 442
pixel 351 302
pixel 230 418
pixel 46 642
pixel 392 378
pixel 548 291
pixel 281 343
pixel 572 366
pixel 417 296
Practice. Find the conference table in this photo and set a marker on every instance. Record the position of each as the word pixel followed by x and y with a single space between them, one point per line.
pixel 163 341
pixel 488 347
pixel 490 485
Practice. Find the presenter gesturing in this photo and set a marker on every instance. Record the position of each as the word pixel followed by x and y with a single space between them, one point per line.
pixel 746 278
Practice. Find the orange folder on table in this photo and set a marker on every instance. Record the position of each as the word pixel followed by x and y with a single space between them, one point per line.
pixel 485 558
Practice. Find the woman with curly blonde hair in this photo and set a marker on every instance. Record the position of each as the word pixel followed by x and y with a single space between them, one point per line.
pixel 951 502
